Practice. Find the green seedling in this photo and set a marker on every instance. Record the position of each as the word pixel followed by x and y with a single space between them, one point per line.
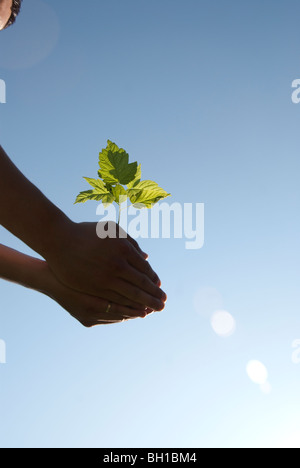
pixel 120 180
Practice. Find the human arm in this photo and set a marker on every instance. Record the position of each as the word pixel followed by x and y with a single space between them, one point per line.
pixel 35 274
pixel 113 269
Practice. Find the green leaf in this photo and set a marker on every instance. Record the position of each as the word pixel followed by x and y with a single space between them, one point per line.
pixel 97 184
pixel 108 200
pixel 115 167
pixel 116 172
pixel 117 191
pixel 137 178
pixel 145 194
pixel 88 195
pixel 99 193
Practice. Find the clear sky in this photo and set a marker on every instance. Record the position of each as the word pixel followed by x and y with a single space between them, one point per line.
pixel 198 92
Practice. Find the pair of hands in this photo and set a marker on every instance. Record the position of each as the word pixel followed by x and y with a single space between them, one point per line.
pixel 82 272
pixel 86 273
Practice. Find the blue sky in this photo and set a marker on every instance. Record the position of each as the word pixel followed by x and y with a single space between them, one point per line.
pixel 199 93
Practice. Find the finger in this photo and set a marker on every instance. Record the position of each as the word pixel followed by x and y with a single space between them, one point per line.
pixel 97 323
pixel 97 312
pixel 101 322
pixel 110 312
pixel 142 281
pixel 117 298
pixel 117 310
pixel 89 323
pixel 97 305
pixel 137 294
pixel 109 321
pixel 134 243
pixel 138 262
pixel 121 234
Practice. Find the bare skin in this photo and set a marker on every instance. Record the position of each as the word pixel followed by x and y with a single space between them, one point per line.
pixel 5 12
pixel 102 280
pixel 114 270
pixel 35 274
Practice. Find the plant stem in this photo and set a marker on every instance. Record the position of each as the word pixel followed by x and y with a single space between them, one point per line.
pixel 119 217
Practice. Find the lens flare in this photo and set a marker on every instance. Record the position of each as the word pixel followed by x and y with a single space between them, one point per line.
pixel 257 372
pixel 223 323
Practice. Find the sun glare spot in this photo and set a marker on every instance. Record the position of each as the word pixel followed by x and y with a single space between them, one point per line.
pixel 257 372
pixel 223 323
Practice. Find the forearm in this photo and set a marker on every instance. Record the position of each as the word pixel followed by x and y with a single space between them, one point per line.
pixel 36 274
pixel 26 212
pixel 24 270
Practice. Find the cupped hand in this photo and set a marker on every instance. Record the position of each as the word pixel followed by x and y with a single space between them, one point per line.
pixel 88 310
pixel 112 269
